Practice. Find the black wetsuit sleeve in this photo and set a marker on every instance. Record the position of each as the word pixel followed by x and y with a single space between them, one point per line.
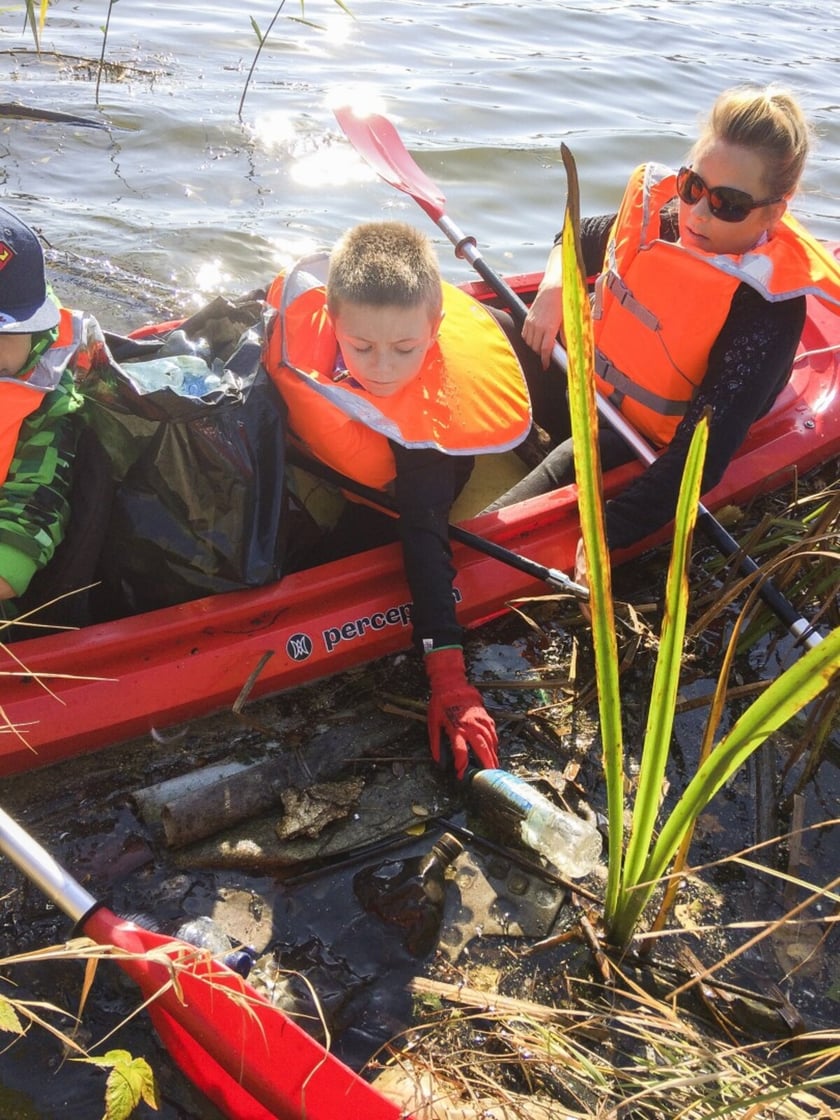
pixel 427 483
pixel 749 364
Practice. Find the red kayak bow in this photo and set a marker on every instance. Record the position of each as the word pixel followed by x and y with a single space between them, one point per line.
pixel 243 1053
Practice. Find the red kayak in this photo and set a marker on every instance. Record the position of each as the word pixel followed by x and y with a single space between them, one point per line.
pixel 68 693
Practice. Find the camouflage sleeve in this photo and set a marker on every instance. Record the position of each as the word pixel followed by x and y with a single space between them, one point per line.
pixel 34 499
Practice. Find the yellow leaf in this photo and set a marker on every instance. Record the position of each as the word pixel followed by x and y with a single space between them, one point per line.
pixel 9 1020
pixel 128 1083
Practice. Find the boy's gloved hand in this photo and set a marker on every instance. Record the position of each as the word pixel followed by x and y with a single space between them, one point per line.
pixel 457 708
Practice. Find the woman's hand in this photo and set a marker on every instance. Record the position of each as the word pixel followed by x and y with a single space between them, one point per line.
pixel 543 321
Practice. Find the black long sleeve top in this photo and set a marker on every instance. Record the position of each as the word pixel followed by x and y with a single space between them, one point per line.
pixel 749 364
pixel 427 483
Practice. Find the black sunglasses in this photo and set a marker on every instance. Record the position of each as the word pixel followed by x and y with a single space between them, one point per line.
pixel 727 203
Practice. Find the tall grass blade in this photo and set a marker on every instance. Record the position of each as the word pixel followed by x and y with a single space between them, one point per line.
pixel 35 23
pixel 584 417
pixel 661 712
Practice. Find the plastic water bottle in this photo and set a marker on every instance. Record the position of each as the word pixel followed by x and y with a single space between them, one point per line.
pixel 205 933
pixel 185 374
pixel 410 892
pixel 201 383
pixel 522 813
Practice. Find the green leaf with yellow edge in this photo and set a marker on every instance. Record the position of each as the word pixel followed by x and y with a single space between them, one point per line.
pixel 663 698
pixel 130 1081
pixel 9 1021
pixel 577 325
pixel 800 683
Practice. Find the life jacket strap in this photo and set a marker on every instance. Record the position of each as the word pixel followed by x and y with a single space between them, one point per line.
pixel 623 387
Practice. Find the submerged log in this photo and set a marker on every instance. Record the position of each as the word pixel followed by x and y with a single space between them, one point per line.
pixel 26 113
pixel 258 788
pixel 209 809
pixel 385 808
pixel 150 800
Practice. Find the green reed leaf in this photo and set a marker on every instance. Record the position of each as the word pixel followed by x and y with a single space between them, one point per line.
pixel 662 709
pixel 577 323
pixel 812 673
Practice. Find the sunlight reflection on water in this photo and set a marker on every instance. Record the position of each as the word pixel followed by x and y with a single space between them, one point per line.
pixel 483 93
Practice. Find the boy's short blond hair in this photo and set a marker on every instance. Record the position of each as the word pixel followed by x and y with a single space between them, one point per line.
pixel 384 264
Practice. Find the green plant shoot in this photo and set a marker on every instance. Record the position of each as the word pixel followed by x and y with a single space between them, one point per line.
pixel 660 720
pixel 635 872
pixel 584 418
pixel 37 21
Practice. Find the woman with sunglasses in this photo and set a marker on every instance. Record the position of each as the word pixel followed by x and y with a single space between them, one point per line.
pixel 699 302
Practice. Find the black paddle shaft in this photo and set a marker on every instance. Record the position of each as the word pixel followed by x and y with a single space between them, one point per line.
pixel 553 576
pixel 726 544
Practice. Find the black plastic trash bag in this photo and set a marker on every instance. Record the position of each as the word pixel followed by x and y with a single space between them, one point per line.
pixel 195 432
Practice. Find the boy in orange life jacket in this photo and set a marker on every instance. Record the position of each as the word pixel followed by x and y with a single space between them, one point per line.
pixel 396 380
pixel 37 399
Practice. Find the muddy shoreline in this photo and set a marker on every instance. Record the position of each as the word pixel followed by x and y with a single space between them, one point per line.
pixel 290 901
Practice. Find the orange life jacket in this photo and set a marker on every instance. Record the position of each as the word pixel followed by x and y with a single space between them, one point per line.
pixel 20 396
pixel 659 306
pixel 469 398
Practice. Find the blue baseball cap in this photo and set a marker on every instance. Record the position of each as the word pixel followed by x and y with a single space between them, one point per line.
pixel 26 304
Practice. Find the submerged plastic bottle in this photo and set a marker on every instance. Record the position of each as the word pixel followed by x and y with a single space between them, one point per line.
pixel 522 813
pixel 205 933
pixel 410 893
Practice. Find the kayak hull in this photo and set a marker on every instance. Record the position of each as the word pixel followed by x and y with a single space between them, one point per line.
pixel 69 693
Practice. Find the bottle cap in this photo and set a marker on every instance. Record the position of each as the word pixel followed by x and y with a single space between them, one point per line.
pixel 242 960
pixel 449 847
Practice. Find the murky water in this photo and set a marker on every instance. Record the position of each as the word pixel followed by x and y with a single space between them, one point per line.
pixel 179 189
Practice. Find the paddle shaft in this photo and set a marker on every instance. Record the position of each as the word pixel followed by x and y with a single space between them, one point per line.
pixel 552 576
pixel 39 866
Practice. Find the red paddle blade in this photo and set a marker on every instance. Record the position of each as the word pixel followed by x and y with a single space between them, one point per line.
pixel 243 1053
pixel 378 142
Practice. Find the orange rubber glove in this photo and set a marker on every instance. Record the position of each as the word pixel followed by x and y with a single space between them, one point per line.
pixel 457 708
